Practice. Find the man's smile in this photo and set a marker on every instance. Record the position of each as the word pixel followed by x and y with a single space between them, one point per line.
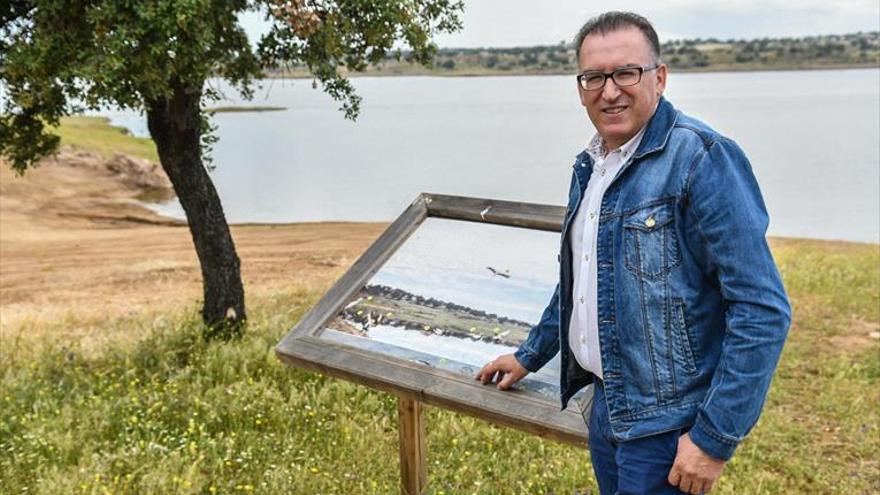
pixel 614 110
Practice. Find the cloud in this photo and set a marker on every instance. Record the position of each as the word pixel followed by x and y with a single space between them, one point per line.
pixel 506 23
pixel 517 22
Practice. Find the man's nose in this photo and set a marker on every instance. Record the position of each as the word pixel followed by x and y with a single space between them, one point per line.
pixel 610 90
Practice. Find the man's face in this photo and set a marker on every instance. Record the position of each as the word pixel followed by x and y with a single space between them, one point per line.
pixel 619 112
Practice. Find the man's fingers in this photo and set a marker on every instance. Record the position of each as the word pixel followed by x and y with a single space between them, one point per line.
pixel 510 378
pixel 504 370
pixel 506 381
pixel 685 484
pixel 707 487
pixel 487 373
pixel 674 477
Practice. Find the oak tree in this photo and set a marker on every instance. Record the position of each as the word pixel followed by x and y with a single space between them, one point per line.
pixel 61 57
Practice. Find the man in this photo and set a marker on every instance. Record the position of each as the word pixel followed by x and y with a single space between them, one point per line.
pixel 669 301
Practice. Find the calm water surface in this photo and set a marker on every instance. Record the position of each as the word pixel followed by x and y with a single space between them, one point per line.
pixel 812 137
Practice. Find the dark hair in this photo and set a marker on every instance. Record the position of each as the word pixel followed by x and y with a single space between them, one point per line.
pixel 615 21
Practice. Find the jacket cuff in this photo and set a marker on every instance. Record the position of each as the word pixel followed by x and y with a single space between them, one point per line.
pixel 528 359
pixel 712 442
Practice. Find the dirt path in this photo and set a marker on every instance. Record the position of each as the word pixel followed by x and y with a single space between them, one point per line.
pixel 75 239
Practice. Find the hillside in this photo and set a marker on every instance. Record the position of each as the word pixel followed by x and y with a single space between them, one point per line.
pixel 813 52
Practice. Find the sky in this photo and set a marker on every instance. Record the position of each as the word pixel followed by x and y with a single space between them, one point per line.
pixel 508 23
pixel 448 259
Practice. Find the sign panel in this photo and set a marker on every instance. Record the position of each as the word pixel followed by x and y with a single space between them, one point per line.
pixel 454 296
pixel 453 283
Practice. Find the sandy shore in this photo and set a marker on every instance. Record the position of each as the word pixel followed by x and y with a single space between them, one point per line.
pixel 75 238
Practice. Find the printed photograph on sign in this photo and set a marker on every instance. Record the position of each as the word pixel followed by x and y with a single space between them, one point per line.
pixel 456 295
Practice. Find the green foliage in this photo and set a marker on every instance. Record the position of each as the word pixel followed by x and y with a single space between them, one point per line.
pixel 353 35
pixel 59 57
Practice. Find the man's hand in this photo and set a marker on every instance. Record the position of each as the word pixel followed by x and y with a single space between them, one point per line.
pixel 694 471
pixel 508 368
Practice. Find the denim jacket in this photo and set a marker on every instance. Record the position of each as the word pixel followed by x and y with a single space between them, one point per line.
pixel 691 308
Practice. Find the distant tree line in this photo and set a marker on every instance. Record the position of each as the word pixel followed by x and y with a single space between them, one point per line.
pixel 396 294
pixel 827 51
pixel 855 49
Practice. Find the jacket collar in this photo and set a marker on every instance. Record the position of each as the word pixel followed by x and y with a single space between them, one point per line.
pixel 659 128
pixel 656 135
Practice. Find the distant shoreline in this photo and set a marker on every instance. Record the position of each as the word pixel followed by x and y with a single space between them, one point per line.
pixel 244 108
pixel 417 72
pixel 822 52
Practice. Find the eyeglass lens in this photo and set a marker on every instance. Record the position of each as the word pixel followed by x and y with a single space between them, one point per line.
pixel 621 77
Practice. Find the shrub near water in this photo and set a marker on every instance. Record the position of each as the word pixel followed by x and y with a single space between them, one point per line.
pixel 173 414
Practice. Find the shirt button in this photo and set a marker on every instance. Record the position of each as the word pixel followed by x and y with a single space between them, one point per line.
pixel 592 215
pixel 586 257
pixel 583 339
pixel 581 299
pixel 602 172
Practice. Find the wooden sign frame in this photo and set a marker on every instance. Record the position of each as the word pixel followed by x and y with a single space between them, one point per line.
pixel 415 383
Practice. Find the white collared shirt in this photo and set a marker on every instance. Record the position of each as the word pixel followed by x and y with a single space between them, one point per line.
pixel 583 330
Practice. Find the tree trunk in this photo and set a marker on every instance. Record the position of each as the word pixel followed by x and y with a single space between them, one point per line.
pixel 175 125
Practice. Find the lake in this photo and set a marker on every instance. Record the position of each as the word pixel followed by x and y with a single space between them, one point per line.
pixel 812 138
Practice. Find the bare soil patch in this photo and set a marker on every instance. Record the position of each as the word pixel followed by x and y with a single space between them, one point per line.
pixel 74 238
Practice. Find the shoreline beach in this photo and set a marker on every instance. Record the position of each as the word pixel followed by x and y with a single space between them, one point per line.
pixel 75 238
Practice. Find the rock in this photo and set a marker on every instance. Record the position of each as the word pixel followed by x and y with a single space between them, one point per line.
pixel 134 173
pixel 137 172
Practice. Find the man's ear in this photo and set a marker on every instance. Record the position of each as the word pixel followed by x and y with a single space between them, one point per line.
pixel 661 78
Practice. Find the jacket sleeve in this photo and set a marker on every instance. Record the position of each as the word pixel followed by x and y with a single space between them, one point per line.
pixel 543 340
pixel 732 221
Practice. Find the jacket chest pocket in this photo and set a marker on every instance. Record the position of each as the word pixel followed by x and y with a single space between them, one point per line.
pixel 650 241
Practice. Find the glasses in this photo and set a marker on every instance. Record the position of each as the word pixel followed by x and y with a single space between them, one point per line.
pixel 627 76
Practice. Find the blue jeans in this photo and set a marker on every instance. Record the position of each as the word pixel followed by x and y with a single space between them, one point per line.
pixel 638 466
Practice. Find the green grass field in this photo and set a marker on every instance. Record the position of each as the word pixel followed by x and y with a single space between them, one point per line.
pixel 96 134
pixel 172 414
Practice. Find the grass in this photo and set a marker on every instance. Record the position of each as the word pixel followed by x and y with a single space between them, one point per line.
pixel 169 413
pixel 173 414
pixel 96 134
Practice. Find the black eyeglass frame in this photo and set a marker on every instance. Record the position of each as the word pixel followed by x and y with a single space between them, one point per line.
pixel 606 75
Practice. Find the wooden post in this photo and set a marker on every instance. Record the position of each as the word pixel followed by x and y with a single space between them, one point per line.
pixel 413 470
